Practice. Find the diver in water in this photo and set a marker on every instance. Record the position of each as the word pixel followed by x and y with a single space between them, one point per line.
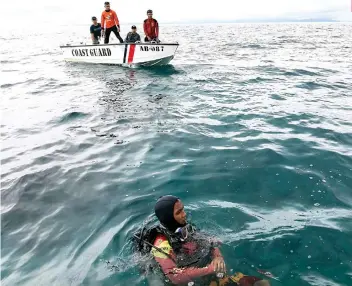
pixel 186 256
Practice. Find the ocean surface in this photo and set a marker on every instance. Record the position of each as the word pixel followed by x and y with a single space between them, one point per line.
pixel 250 125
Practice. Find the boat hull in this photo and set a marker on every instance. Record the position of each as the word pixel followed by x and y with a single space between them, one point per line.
pixel 131 54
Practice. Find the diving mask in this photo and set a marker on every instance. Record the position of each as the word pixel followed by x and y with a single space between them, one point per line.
pixel 185 231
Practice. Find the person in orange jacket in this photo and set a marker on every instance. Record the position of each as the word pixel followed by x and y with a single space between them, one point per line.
pixel 110 23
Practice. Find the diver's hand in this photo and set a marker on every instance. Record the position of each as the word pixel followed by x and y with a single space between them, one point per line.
pixel 219 264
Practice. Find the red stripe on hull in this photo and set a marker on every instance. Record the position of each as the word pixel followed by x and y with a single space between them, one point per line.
pixel 131 53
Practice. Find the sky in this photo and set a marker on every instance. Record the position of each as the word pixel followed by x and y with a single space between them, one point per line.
pixel 80 12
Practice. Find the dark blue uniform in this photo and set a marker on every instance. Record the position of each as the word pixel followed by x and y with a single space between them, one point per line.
pixel 96 30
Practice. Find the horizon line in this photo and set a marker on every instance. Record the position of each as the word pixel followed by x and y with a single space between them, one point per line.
pixel 249 21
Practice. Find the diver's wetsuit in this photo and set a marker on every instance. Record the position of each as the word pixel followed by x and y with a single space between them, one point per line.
pixel 182 275
pixel 184 260
pixel 174 272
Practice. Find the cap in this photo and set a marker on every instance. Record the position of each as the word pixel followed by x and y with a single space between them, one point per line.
pixel 133 27
pixel 94 18
pixel 106 3
pixel 149 11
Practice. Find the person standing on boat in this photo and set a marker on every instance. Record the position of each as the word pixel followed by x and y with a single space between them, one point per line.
pixel 151 28
pixel 133 36
pixel 95 31
pixel 110 23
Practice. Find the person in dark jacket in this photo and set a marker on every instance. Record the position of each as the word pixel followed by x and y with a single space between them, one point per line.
pixel 151 28
pixel 95 31
pixel 133 36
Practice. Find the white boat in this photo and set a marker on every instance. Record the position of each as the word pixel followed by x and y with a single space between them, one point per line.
pixel 126 54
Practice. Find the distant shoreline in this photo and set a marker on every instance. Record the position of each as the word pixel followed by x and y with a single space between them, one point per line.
pixel 243 21
pixel 252 22
pixel 233 22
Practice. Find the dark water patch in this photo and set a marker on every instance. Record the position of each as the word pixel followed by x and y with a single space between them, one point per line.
pixel 118 86
pixel 339 138
pixel 342 85
pixel 252 46
pixel 294 72
pixel 323 70
pixel 8 62
pixel 291 73
pixel 289 41
pixel 267 61
pixel 44 88
pixel 277 97
pixel 271 69
pixel 109 220
pixel 29 183
pixel 109 135
pixel 45 52
pixel 240 119
pixel 164 71
pixel 302 249
pixel 46 146
pixel 257 80
pixel 67 84
pixel 308 48
pixel 311 85
pixel 6 160
pixel 204 80
pixel 8 85
pixel 10 70
pixel 44 160
pixel 72 116
pixel 305 72
pixel 295 118
pixel 155 98
pixel 126 108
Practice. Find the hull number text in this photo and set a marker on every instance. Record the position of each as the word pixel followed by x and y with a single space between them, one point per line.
pixel 152 48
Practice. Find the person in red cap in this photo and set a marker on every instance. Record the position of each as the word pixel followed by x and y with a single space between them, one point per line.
pixel 151 28
pixel 110 23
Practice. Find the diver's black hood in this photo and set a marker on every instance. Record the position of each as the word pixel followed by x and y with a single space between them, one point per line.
pixel 164 210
